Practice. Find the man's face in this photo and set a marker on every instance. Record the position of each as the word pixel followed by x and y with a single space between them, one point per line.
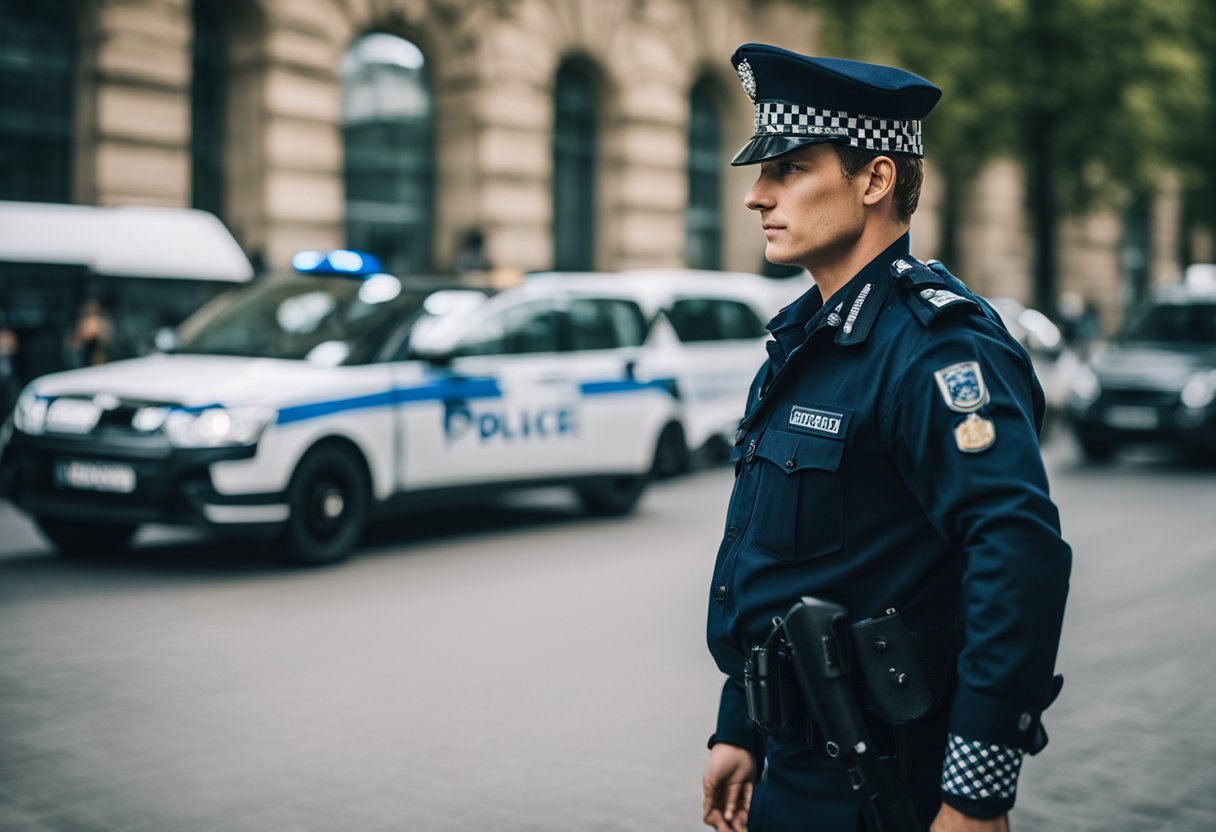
pixel 812 214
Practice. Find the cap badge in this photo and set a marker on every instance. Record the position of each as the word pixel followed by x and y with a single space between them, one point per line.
pixel 974 434
pixel 962 386
pixel 749 80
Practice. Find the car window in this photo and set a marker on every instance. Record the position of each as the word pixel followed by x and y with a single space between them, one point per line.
pixel 605 324
pixel 1176 323
pixel 526 328
pixel 327 320
pixel 714 319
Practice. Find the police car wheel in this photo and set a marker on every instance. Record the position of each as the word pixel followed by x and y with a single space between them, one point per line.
pixel 671 455
pixel 80 539
pixel 613 496
pixel 328 497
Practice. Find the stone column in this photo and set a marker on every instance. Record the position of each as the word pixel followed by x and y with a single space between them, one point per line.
pixel 135 146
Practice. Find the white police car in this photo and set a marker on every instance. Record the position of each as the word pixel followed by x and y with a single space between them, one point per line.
pixel 301 403
pixel 706 334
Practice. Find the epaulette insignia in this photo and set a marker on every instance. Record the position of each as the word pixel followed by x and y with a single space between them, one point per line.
pixel 930 292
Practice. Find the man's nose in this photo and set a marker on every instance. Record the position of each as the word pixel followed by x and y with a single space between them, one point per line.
pixel 758 198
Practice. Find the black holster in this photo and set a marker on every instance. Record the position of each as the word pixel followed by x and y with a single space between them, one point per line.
pixel 774 703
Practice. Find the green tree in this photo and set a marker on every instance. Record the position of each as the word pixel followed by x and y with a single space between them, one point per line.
pixel 1094 97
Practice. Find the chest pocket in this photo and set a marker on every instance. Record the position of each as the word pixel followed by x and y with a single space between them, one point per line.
pixel 799 511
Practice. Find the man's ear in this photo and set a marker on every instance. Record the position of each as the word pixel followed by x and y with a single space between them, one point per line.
pixel 881 180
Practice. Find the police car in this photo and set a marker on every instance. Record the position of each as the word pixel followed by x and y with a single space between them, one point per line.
pixel 1156 384
pixel 302 403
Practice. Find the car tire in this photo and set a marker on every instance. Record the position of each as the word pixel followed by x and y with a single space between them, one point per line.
pixel 614 496
pixel 328 501
pixel 1095 450
pixel 671 455
pixel 83 539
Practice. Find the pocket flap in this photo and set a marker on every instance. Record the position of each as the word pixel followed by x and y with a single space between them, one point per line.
pixel 794 452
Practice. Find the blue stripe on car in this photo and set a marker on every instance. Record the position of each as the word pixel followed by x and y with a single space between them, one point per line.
pixel 451 388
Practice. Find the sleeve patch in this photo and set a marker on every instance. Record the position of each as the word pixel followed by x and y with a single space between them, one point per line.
pixel 974 434
pixel 962 386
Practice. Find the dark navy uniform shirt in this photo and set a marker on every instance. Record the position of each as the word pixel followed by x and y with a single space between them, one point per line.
pixel 890 458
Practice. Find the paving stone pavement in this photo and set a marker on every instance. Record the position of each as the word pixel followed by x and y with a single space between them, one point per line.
pixel 527 668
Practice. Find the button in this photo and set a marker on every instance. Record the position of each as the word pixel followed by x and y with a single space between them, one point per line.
pixel 880 645
pixel 900 680
pixel 789 463
pixel 732 533
pixel 751 452
pixel 1024 722
pixel 720 594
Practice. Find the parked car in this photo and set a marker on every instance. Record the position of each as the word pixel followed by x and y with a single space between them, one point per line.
pixel 303 403
pixel 1156 383
pixel 1055 362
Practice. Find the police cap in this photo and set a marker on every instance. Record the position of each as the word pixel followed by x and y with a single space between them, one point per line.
pixel 803 100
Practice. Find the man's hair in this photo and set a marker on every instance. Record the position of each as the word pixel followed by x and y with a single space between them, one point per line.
pixel 909 173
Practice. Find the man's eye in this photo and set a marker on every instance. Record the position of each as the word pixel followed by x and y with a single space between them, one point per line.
pixel 789 167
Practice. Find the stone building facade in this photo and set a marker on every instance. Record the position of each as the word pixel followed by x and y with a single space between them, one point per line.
pixel 492 66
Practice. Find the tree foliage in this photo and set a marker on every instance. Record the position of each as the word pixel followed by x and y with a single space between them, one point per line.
pixel 1095 97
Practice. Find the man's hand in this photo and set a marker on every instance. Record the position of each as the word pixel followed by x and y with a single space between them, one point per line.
pixel 729 775
pixel 950 819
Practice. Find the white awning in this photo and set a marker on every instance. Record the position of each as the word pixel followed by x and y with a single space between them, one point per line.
pixel 128 241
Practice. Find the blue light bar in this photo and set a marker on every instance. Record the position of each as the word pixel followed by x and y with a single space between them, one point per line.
pixel 336 261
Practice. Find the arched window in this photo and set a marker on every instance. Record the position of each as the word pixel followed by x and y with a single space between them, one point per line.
pixel 37 74
pixel 388 129
pixel 208 102
pixel 703 216
pixel 574 169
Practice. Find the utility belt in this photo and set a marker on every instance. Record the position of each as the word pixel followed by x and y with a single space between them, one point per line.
pixel 901 678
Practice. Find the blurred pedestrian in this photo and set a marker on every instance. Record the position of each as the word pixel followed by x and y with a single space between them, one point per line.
pixel 10 384
pixel 472 256
pixel 889 464
pixel 89 342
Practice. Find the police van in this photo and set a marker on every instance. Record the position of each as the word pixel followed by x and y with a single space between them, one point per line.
pixel 303 403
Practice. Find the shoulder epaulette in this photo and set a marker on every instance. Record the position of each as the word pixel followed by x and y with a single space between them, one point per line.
pixel 931 291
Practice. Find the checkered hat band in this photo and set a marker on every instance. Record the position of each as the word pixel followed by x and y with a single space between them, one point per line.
pixel 779 118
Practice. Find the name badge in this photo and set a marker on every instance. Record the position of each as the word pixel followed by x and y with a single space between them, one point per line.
pixel 814 420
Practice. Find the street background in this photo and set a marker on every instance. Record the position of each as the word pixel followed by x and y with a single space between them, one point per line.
pixel 523 667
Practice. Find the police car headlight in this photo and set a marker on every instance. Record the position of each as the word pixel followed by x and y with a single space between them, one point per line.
pixel 216 427
pixel 1200 391
pixel 1085 387
pixel 29 417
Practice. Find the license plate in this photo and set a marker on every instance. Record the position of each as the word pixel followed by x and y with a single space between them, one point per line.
pixel 1132 418
pixel 95 476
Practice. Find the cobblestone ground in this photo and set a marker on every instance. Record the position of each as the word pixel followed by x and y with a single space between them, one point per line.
pixel 530 669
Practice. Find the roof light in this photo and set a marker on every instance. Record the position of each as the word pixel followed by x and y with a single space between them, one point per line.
pixel 337 261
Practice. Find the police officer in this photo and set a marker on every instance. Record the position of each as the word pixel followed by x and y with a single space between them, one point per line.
pixel 889 461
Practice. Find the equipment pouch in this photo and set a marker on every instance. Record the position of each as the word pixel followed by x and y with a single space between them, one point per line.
pixel 892 680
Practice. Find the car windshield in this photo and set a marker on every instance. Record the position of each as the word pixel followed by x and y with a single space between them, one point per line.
pixel 1175 323
pixel 324 320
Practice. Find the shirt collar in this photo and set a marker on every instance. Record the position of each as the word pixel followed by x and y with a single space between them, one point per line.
pixel 852 311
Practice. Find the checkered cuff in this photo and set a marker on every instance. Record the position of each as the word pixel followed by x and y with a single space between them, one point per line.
pixel 981 771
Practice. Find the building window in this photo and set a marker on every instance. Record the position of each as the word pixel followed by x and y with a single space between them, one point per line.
pixel 388 135
pixel 208 97
pixel 574 169
pixel 37 74
pixel 703 216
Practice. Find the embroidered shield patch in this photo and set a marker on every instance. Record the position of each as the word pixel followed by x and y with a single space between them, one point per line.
pixel 962 386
